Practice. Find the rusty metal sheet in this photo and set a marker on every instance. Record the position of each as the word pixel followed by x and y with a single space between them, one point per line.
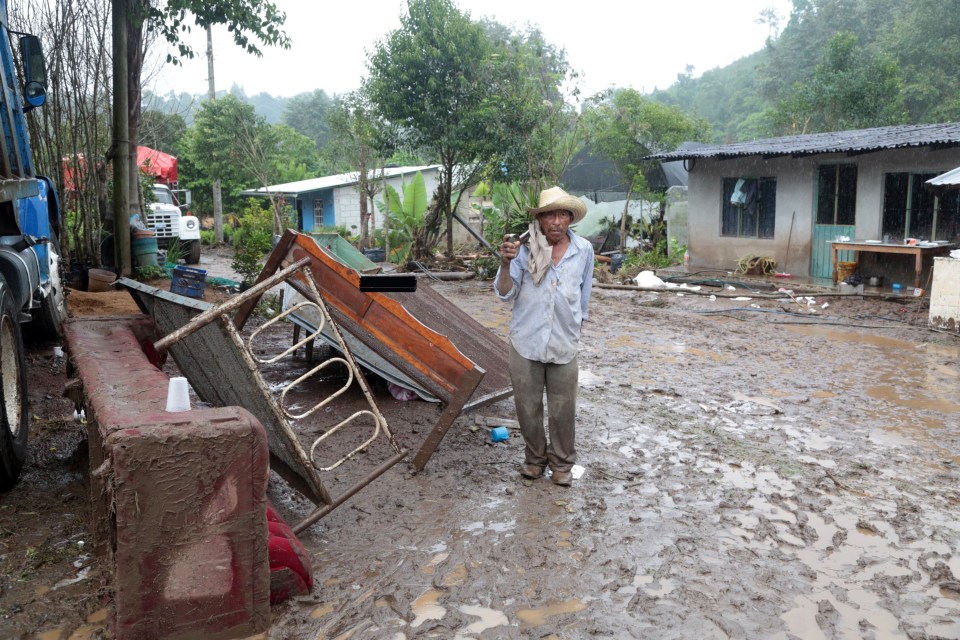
pixel 422 334
pixel 488 351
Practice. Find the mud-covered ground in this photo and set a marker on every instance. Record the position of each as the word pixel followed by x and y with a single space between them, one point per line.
pixel 752 469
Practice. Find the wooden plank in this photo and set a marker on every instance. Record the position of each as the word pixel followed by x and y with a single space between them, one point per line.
pixel 450 413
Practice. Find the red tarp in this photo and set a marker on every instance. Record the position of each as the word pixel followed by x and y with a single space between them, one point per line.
pixel 151 161
pixel 157 163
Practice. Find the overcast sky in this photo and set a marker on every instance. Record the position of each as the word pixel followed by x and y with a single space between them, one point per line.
pixel 625 43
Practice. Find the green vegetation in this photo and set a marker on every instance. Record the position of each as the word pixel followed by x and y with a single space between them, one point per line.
pixel 490 103
pixel 660 256
pixel 176 251
pixel 407 219
pixel 150 272
pixel 470 95
pixel 252 240
pixel 837 64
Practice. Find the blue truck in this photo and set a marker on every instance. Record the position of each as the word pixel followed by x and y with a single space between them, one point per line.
pixel 32 297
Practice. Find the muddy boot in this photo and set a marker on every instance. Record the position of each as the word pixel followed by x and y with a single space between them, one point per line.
pixel 531 471
pixel 562 478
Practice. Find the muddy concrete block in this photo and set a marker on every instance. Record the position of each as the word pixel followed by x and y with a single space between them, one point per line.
pixel 945 294
pixel 191 531
pixel 179 499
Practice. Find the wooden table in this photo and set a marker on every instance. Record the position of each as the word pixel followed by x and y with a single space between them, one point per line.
pixel 873 247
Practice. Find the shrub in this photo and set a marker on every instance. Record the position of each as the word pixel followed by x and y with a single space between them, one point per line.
pixel 150 272
pixel 253 239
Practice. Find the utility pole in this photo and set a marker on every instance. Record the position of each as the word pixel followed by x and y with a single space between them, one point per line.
pixel 121 144
pixel 217 194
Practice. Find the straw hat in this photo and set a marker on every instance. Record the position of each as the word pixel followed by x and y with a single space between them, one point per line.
pixel 554 199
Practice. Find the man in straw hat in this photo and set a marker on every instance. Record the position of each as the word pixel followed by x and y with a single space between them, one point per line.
pixel 549 281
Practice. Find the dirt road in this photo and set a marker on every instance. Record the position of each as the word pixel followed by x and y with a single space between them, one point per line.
pixel 783 470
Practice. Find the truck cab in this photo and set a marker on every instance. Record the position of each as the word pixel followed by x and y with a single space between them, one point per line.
pixel 32 297
pixel 167 219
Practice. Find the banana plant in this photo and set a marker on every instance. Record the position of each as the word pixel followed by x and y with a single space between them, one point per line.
pixel 406 216
pixel 510 203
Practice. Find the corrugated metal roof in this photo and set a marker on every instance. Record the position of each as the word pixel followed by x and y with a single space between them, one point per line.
pixel 854 141
pixel 327 182
pixel 947 180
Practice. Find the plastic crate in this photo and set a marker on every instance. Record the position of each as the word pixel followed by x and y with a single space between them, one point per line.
pixel 188 281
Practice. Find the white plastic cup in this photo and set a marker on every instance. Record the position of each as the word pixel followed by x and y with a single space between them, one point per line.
pixel 178 395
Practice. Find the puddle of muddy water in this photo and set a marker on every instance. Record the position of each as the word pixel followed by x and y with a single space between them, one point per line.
pixel 489 618
pixel 426 608
pixel 539 616
pixel 431 566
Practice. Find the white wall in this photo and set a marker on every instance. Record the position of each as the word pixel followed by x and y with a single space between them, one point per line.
pixel 795 185
pixel 346 205
pixel 796 193
pixel 346 200
pixel 945 294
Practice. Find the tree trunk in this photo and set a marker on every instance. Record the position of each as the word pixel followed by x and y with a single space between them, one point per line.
pixel 623 223
pixel 134 67
pixel 362 190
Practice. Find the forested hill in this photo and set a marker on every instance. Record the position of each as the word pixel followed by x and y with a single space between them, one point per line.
pixel 837 64
pixel 186 105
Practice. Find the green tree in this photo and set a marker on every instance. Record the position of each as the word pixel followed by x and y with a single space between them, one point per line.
pixel 549 127
pixel 162 131
pixel 307 113
pixel 230 140
pixel 626 127
pixel 406 217
pixel 439 80
pixel 850 88
pixel 295 155
pixel 359 144
pixel 249 22
pixel 925 39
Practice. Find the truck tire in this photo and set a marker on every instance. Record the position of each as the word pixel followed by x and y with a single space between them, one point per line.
pixel 48 320
pixel 14 416
pixel 193 252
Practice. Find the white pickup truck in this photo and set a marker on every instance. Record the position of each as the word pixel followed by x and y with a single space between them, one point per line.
pixel 169 223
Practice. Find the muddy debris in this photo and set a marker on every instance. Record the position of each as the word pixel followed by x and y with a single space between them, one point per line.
pixel 747 474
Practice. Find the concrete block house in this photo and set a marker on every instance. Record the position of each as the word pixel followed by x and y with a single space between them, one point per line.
pixel 333 201
pixel 789 197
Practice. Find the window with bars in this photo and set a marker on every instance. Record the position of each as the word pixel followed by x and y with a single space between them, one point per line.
pixel 837 194
pixel 317 213
pixel 749 207
pixel 912 210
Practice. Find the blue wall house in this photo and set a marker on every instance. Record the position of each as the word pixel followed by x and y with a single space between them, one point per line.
pixel 333 201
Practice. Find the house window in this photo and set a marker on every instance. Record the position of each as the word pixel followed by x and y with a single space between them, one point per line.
pixel 749 207
pixel 837 194
pixel 913 210
pixel 317 213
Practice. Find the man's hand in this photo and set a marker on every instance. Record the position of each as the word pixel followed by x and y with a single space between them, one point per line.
pixel 509 248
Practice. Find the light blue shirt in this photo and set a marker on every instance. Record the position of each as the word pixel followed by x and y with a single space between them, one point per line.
pixel 545 326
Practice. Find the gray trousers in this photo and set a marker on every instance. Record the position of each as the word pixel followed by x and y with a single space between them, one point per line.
pixel 530 378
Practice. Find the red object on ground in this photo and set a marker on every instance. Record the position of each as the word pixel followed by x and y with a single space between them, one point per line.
pixel 290 572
